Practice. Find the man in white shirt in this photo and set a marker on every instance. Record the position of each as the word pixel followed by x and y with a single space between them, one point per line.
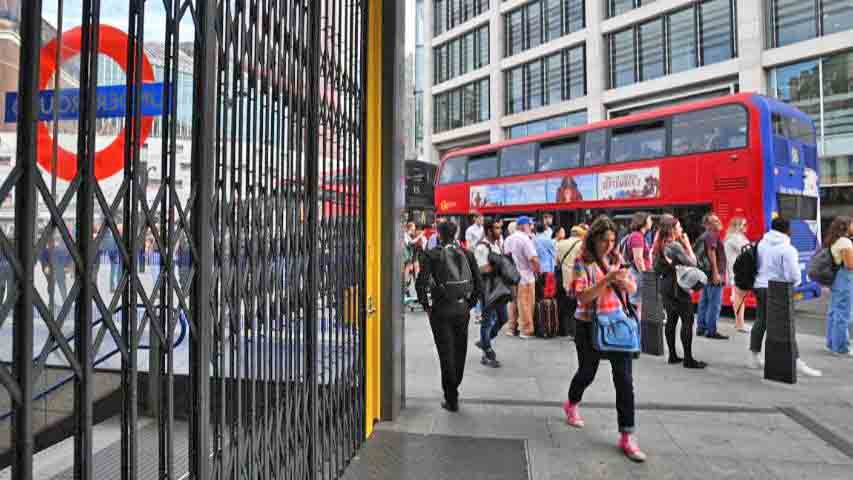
pixel 474 233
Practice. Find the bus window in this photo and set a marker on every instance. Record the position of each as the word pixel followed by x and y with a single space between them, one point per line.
pixel 453 170
pixel 637 142
pixel 793 128
pixel 558 156
pixel 718 128
pixel 518 160
pixel 483 167
pixel 596 148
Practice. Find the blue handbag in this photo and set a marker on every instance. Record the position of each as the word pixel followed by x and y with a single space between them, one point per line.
pixel 617 331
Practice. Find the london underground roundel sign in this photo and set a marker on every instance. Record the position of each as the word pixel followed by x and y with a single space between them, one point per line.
pixel 109 161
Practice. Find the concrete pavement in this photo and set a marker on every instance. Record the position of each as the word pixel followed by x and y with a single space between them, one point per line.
pixel 724 422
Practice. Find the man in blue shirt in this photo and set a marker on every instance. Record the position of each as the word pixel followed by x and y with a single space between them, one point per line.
pixel 545 248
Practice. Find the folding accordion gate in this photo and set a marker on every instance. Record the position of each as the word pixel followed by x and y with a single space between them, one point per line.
pixel 187 184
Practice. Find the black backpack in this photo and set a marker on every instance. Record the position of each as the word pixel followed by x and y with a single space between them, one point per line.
pixel 822 268
pixel 746 267
pixel 703 262
pixel 452 274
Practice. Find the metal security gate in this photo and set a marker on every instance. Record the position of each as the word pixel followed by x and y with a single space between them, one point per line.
pixel 188 197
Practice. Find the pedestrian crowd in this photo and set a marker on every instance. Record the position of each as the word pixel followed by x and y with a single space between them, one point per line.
pixel 537 279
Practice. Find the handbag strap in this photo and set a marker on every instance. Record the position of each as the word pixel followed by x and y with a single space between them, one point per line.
pixel 563 260
pixel 625 304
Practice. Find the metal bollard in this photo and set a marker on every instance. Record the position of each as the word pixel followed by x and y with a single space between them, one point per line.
pixel 651 323
pixel 780 363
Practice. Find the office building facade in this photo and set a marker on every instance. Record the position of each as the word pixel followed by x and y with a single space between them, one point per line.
pixel 500 69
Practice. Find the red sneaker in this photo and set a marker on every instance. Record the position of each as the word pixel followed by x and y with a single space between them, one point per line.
pixel 573 417
pixel 629 446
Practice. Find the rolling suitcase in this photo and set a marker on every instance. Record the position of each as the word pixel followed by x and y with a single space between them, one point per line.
pixel 546 318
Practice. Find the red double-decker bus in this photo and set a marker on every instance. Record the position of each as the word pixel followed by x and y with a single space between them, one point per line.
pixel 742 155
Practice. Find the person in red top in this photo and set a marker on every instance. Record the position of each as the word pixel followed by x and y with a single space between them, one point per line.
pixel 598 276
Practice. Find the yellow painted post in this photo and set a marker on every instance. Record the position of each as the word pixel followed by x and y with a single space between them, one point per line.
pixel 374 202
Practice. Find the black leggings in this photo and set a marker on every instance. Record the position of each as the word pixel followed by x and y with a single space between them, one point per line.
pixel 623 380
pixel 675 310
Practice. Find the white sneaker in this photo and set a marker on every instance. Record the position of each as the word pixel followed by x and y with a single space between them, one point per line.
pixel 842 354
pixel 754 361
pixel 806 370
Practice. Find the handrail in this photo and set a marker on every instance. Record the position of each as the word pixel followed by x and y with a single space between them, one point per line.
pixel 181 336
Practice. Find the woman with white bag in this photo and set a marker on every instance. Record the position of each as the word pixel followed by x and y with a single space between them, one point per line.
pixel 672 250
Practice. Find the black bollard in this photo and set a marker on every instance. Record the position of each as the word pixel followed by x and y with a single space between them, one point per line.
pixel 780 362
pixel 651 324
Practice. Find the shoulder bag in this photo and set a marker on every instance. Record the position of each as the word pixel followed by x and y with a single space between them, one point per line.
pixel 617 331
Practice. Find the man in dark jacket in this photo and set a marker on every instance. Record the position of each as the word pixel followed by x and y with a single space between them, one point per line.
pixel 448 318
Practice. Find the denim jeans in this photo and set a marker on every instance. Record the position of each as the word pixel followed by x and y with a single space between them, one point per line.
pixel 623 381
pixel 709 309
pixel 840 312
pixel 492 317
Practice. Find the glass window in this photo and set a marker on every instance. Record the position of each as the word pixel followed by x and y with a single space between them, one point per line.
pixel 453 60
pixel 622 58
pixel 534 25
pixel 799 85
pixel 595 147
pixel 838 104
pixel 518 160
pixel 558 156
pixel 577 72
pixel 716 28
pixel 682 41
pixel 651 50
pixel 470 107
pixel 515 90
pixel 454 109
pixel 453 170
pixel 794 21
pixel 618 7
pixel 483 167
pixel 441 112
pixel 717 128
pixel 553 19
pixel 440 18
pixel 554 70
pixel 548 124
pixel 514 32
pixel 468 53
pixel 483 58
pixel 837 16
pixel 535 88
pixel 485 107
pixel 518 131
pixel 575 15
pixel 637 143
pixel 797 207
pixel 793 128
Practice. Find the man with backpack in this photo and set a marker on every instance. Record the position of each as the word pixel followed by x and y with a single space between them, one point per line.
pixel 451 275
pixel 711 256
pixel 494 314
pixel 779 261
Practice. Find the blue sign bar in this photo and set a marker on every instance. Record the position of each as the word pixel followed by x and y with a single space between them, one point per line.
pixel 111 103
